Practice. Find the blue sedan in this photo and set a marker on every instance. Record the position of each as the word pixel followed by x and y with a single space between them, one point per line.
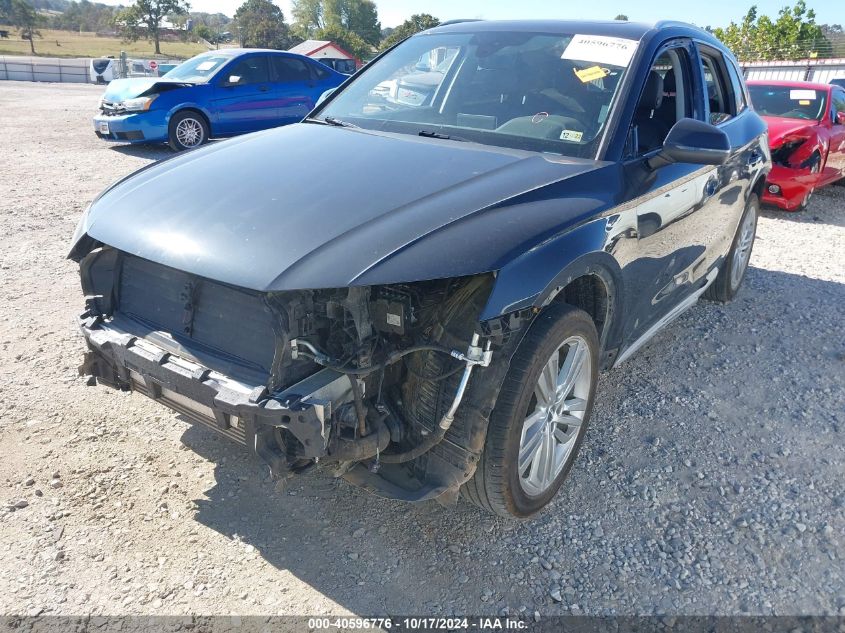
pixel 215 94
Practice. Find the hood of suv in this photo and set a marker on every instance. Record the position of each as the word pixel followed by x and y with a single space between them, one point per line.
pixel 314 206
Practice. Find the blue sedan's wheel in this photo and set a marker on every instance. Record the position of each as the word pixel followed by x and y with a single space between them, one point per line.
pixel 187 130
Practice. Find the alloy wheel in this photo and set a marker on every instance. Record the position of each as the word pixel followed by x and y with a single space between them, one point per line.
pixel 742 252
pixel 189 133
pixel 555 416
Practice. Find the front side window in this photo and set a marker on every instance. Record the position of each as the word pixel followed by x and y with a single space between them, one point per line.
pixel 664 100
pixel 252 70
pixel 788 102
pixel 535 91
pixel 838 97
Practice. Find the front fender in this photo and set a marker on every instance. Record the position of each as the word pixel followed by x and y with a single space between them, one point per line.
pixel 533 278
pixel 189 105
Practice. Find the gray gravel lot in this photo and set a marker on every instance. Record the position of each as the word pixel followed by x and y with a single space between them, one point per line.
pixel 711 481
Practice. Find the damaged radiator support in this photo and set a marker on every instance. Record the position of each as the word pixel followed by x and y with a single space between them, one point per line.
pixel 474 356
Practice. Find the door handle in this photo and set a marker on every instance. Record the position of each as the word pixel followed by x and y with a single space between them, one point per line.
pixel 263 88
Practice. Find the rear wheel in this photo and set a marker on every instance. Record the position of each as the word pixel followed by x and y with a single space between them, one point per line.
pixel 732 273
pixel 540 417
pixel 187 130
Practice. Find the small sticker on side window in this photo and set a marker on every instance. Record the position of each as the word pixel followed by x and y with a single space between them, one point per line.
pixel 572 136
pixel 600 49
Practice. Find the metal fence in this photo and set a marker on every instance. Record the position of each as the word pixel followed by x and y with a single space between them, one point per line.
pixel 44 69
pixel 815 70
pixel 77 70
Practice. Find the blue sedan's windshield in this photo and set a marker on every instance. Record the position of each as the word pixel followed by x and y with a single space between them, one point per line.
pixel 535 91
pixel 198 69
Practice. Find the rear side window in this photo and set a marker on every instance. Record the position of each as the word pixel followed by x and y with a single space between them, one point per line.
pixel 288 69
pixel 252 70
pixel 320 71
pixel 736 84
pixel 720 91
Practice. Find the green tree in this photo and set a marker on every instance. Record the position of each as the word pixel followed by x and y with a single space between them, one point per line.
pixel 356 16
pixel 414 24
pixel 621 17
pixel 204 32
pixel 307 16
pixel 261 24
pixel 22 15
pixel 145 18
pixel 347 40
pixel 793 35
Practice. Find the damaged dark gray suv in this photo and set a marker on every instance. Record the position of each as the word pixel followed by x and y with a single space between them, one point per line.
pixel 416 291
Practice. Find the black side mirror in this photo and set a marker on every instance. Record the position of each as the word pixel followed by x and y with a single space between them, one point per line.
pixel 693 141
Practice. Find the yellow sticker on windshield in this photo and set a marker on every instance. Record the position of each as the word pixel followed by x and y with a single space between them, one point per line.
pixel 591 74
pixel 804 102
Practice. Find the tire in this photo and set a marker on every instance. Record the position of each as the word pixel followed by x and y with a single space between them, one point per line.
pixel 816 168
pixel 498 485
pixel 727 283
pixel 187 130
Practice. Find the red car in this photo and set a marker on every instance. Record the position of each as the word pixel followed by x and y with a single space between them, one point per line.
pixel 806 135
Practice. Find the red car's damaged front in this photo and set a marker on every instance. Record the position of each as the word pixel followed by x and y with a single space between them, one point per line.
pixel 803 132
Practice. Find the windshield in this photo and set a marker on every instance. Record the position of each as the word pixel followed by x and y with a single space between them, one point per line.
pixel 534 91
pixel 198 69
pixel 790 103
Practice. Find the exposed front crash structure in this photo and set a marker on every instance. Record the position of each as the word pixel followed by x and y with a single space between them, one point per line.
pixel 797 162
pixel 373 381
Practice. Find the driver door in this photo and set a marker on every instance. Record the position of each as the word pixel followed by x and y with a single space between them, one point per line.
pixel 244 100
pixel 665 254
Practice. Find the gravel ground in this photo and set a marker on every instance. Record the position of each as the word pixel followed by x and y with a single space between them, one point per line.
pixel 710 481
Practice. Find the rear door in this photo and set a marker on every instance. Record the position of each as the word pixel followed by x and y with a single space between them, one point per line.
pixel 727 108
pixel 243 97
pixel 294 86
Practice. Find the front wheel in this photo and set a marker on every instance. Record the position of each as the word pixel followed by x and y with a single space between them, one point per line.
pixel 540 417
pixel 815 168
pixel 187 130
pixel 732 273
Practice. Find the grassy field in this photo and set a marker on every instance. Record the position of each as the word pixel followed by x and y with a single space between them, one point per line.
pixel 71 44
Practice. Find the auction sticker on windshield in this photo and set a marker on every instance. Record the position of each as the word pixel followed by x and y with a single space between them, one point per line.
pixel 600 49
pixel 802 94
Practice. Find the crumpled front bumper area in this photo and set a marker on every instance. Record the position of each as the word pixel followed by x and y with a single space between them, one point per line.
pixel 246 414
pixel 794 186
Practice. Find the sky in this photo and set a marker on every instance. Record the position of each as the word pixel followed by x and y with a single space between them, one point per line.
pixel 701 12
pixel 704 13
